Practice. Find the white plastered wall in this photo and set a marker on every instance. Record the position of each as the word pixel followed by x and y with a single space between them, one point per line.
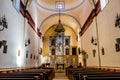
pixel 107 33
pixel 15 36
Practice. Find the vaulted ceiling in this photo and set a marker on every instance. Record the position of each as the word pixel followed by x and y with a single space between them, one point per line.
pixel 45 14
pixel 50 4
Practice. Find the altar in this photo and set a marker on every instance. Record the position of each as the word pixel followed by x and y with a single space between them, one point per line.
pixel 60 66
pixel 60 62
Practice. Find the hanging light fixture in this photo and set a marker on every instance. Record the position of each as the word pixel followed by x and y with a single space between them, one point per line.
pixel 59 28
pixel 3 23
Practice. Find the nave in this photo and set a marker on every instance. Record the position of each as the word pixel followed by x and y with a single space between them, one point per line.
pixel 48 73
pixel 57 34
pixel 60 76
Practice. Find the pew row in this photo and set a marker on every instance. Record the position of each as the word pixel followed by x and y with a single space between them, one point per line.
pixel 32 74
pixel 91 74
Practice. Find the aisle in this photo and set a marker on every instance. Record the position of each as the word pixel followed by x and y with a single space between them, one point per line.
pixel 60 76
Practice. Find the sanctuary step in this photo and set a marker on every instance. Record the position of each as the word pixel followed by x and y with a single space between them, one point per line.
pixel 60 76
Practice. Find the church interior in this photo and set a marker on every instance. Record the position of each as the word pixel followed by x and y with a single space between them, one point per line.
pixel 67 39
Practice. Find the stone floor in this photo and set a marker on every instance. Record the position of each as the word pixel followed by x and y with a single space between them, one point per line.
pixel 60 76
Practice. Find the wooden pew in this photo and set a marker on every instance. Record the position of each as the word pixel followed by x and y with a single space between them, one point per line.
pixel 101 77
pixel 80 75
pixel 21 76
pixel 33 74
pixel 51 73
pixel 12 78
pixel 89 74
pixel 47 73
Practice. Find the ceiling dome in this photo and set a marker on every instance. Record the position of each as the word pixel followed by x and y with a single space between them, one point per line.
pixel 51 4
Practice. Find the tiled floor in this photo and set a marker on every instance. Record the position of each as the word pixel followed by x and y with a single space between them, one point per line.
pixel 60 76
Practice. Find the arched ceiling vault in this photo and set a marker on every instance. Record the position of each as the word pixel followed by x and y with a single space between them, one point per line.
pixel 68 4
pixel 66 20
pixel 45 14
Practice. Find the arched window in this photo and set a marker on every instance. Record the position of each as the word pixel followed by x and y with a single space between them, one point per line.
pixel 60 4
pixel 103 3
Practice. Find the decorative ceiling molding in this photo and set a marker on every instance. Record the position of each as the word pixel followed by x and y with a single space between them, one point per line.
pixel 68 6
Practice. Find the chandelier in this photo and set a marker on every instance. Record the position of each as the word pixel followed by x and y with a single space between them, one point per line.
pixel 59 28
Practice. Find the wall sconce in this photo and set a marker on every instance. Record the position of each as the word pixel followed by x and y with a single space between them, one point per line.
pixel 3 23
pixel 3 43
pixel 27 42
pixel 103 51
pixel 94 41
pixel 117 21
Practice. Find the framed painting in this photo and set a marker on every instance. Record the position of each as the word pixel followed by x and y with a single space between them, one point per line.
pixel 67 51
pixel 5 49
pixel 52 51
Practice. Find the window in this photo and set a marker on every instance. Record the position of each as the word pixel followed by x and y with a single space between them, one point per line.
pixel 16 4
pixel 103 3
pixel 60 5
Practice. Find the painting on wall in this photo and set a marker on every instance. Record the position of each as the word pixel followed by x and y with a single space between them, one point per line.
pixel 103 51
pixel 67 51
pixel 52 51
pixel 5 49
pixel 26 55
pixel 52 40
pixel 31 56
pixel 117 47
pixel 94 52
pixel 34 57
pixel 78 50
pixel 74 51
pixel 67 40
pixel 0 44
pixel 19 52
pixel 4 42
